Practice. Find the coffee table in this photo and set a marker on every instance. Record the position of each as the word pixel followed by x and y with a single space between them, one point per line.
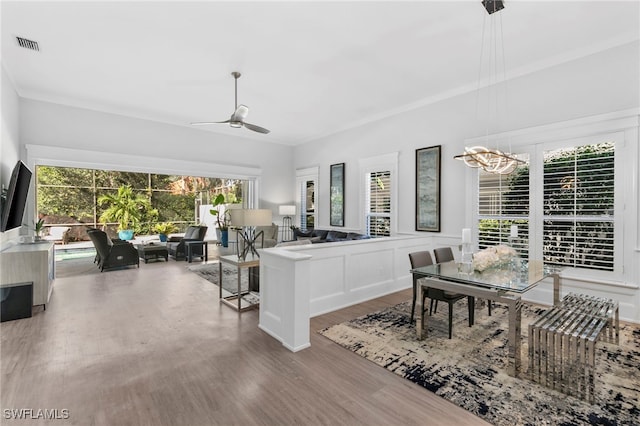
pixel 152 251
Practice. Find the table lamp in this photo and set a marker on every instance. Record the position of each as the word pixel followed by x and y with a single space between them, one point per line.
pixel 248 220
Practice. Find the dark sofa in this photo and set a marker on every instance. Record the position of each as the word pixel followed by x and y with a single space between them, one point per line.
pixel 327 235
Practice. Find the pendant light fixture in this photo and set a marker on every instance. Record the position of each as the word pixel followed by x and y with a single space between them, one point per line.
pixel 491 160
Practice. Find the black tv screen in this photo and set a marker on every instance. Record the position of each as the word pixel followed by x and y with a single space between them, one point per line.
pixel 16 199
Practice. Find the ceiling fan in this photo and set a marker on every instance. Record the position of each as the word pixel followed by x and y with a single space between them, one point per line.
pixel 238 116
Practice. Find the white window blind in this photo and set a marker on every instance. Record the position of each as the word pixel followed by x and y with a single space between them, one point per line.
pixel 307 205
pixel 378 201
pixel 579 206
pixel 503 201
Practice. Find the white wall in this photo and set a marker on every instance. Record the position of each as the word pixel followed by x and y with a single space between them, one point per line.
pixel 54 125
pixel 9 142
pixel 595 84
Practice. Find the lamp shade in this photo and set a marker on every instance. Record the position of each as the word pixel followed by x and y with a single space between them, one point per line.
pixel 251 217
pixel 287 210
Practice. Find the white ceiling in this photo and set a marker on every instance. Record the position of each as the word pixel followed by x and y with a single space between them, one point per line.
pixel 309 69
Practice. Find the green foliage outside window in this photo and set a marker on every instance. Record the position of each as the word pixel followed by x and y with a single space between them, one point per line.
pixel 127 208
pixel 69 196
pixel 578 226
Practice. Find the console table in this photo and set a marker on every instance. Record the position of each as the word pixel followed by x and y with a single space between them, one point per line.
pixel 236 300
pixel 32 262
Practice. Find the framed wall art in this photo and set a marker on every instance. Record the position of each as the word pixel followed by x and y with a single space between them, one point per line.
pixel 336 208
pixel 428 189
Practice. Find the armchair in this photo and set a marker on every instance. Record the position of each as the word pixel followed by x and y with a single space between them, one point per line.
pixel 176 245
pixel 110 255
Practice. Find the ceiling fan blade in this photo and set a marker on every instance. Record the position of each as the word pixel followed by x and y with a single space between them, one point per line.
pixel 238 116
pixel 256 128
pixel 204 123
pixel 241 113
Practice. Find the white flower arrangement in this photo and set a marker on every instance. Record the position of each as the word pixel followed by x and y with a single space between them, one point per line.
pixel 492 256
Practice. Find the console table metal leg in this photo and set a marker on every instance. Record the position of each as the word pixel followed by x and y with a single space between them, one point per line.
pixel 220 279
pixel 239 290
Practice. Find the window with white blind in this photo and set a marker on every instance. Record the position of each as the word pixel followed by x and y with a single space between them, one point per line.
pixel 574 213
pixel 578 214
pixel 378 202
pixel 503 208
pixel 306 181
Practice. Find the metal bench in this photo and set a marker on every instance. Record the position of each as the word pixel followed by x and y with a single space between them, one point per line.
pixel 562 343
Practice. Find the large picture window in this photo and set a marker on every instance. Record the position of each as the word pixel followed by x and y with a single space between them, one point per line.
pixel 503 207
pixel 574 213
pixel 579 206
pixel 69 196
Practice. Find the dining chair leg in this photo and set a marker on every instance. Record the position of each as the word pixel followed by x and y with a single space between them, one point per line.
pixel 413 304
pixel 489 302
pixel 431 304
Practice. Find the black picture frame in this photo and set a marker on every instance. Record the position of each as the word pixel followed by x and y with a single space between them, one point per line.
pixel 428 189
pixel 336 196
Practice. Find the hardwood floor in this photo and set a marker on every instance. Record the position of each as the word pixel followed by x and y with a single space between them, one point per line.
pixel 153 346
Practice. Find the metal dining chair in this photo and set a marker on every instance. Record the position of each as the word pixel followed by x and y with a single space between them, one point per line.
pixel 423 258
pixel 445 254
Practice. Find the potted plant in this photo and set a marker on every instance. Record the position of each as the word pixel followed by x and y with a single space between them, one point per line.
pixel 39 227
pixel 223 219
pixel 164 229
pixel 126 208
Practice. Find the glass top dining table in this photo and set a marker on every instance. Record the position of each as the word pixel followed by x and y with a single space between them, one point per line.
pixel 505 284
pixel 517 276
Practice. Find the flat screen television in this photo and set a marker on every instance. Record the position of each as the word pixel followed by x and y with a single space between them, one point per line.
pixel 16 198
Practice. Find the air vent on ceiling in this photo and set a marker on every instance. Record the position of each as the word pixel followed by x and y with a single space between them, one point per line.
pixel 28 44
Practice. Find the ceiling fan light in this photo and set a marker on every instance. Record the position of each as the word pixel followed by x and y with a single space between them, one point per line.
pixel 235 124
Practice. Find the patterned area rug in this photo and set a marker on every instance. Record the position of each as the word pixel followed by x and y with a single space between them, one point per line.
pixel 470 369
pixel 210 272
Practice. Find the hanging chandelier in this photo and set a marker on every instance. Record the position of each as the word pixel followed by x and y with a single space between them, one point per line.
pixel 490 160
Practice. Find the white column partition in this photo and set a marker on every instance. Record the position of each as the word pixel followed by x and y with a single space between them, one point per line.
pixel 301 282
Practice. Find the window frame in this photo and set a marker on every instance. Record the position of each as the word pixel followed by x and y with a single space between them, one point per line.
pixel 535 146
pixel 618 205
pixel 386 162
pixel 303 176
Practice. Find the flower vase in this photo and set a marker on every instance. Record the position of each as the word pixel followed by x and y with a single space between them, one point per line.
pixel 466 265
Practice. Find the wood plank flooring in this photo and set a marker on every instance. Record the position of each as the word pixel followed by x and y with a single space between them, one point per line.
pixel 153 346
